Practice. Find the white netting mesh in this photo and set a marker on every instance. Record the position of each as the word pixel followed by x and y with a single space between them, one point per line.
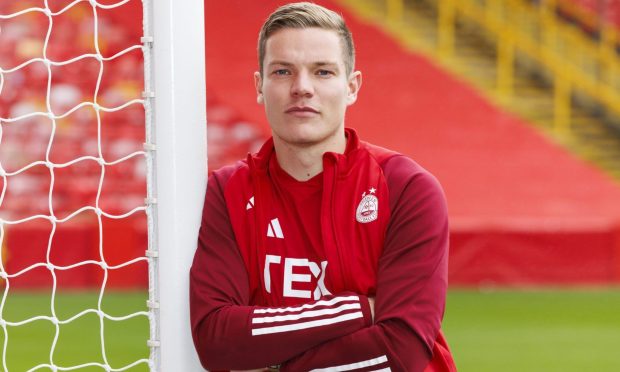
pixel 71 134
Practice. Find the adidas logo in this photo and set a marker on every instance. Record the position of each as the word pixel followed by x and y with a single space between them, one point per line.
pixel 274 230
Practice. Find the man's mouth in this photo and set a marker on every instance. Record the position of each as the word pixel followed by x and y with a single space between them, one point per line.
pixel 302 110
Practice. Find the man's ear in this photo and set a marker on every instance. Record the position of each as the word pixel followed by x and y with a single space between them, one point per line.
pixel 258 83
pixel 354 85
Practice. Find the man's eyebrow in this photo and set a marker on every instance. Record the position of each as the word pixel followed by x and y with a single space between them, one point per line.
pixel 334 64
pixel 316 64
pixel 280 63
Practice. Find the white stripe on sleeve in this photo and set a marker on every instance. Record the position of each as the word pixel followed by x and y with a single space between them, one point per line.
pixel 306 325
pixel 358 365
pixel 307 314
pixel 333 301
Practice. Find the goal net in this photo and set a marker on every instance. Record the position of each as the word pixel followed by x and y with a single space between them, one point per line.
pixel 84 221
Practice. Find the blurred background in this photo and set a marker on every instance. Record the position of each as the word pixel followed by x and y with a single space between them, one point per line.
pixel 513 104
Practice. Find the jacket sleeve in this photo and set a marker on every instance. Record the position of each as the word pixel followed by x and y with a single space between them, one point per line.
pixel 411 284
pixel 228 332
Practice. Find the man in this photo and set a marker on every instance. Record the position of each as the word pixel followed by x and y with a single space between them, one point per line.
pixel 320 252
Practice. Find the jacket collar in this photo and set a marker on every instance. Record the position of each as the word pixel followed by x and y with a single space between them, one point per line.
pixel 260 160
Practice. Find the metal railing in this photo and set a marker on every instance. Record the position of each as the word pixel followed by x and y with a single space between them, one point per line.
pixel 580 65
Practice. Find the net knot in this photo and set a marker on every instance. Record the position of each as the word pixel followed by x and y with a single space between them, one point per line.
pixel 47 12
pixel 4 275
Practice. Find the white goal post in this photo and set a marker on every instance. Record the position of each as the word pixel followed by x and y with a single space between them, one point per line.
pixel 65 173
pixel 176 107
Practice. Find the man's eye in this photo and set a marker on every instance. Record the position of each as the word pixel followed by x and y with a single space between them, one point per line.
pixel 281 72
pixel 324 72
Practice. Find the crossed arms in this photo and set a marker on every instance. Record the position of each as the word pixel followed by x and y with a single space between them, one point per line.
pixel 334 331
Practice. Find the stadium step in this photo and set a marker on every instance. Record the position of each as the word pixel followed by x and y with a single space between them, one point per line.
pixel 591 135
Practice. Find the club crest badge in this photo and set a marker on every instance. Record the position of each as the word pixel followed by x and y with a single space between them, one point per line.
pixel 368 208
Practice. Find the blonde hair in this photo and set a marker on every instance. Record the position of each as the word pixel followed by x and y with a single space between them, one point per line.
pixel 307 15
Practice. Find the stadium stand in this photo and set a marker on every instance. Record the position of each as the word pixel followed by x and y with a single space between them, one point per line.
pixel 75 186
pixel 522 209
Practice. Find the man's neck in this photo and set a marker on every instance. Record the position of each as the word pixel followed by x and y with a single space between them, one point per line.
pixel 305 162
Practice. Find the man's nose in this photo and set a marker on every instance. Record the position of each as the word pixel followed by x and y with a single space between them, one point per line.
pixel 302 85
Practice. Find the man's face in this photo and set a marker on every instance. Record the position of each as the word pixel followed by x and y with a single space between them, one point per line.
pixel 304 86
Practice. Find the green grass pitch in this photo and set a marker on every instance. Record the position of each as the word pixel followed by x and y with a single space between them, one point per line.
pixel 79 342
pixel 545 330
pixel 503 330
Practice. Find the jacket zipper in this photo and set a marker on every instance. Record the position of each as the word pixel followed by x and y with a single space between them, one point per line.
pixel 332 216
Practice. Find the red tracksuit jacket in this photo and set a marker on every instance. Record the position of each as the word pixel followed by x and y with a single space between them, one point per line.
pixel 283 268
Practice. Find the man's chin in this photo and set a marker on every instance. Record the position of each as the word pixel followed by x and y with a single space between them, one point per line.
pixel 301 137
pixel 305 136
pixel 301 141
